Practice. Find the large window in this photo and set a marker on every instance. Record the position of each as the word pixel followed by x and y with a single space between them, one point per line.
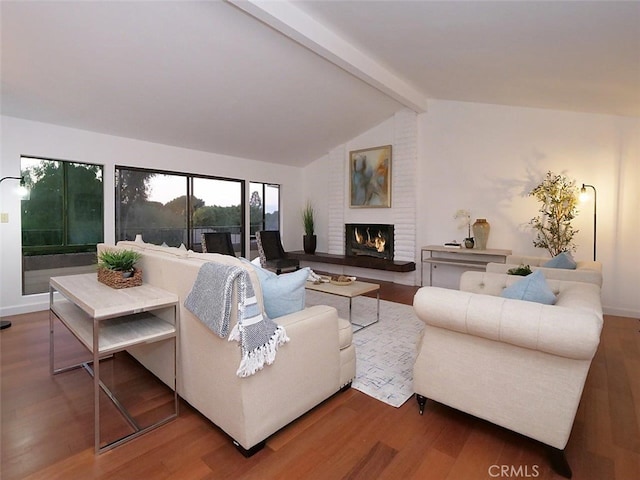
pixel 175 208
pixel 62 220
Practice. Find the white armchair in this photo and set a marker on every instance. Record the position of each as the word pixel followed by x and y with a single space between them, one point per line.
pixel 518 364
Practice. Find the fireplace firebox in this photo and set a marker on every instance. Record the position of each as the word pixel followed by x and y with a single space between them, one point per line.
pixel 369 239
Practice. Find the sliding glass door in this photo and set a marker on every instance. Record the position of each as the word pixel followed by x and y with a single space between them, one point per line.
pixel 173 209
pixel 218 207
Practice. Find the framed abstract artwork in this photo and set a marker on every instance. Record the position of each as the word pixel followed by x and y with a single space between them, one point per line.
pixel 370 177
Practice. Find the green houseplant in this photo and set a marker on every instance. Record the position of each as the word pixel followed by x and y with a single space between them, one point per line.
pixel 116 268
pixel 521 270
pixel 559 199
pixel 309 239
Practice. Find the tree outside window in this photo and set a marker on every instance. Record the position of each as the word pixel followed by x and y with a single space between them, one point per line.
pixel 62 220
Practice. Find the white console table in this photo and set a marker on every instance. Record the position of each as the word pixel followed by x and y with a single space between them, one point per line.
pixel 106 321
pixel 460 257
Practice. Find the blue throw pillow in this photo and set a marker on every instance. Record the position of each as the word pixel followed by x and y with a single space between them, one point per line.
pixel 532 288
pixel 562 260
pixel 282 294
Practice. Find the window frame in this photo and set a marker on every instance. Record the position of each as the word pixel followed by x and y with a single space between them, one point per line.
pixel 264 186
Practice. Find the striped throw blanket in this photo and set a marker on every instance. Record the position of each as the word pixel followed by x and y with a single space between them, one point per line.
pixel 210 300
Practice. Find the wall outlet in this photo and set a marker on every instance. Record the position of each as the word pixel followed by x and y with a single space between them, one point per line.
pixel 4 218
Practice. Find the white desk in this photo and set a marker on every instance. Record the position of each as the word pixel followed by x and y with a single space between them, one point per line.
pixel 460 257
pixel 106 321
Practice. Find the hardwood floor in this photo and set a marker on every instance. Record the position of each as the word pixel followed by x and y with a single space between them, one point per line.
pixel 47 425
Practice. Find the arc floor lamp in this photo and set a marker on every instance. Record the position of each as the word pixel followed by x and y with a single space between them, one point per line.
pixel 5 323
pixel 583 197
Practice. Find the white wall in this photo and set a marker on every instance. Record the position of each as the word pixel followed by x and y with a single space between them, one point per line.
pixel 486 158
pixel 22 137
pixel 481 157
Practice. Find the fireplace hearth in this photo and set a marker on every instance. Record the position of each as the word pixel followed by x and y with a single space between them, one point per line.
pixel 369 239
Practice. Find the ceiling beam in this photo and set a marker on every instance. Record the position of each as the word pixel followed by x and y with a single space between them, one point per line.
pixel 292 22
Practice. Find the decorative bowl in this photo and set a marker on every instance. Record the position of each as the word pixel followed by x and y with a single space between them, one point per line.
pixel 342 280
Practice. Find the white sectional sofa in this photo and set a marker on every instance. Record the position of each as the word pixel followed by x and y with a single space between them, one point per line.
pixel 518 364
pixel 585 271
pixel 318 361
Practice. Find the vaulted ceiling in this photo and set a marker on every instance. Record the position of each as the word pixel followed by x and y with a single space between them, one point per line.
pixel 286 82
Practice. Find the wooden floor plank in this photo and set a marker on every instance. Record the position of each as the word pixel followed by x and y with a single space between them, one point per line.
pixel 434 466
pixel 373 463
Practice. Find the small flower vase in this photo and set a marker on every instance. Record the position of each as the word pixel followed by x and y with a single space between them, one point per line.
pixel 481 230
pixel 469 242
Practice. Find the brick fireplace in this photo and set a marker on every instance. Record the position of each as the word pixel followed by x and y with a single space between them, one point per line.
pixel 369 239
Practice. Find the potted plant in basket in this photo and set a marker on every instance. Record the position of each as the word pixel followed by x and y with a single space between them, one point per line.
pixel 521 270
pixel 309 239
pixel 116 268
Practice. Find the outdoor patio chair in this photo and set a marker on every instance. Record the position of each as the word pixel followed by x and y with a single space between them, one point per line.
pixel 217 242
pixel 272 254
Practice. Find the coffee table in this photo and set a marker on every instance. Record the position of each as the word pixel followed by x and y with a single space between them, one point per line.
pixel 349 291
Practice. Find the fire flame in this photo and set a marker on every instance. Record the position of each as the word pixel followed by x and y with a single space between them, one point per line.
pixel 378 242
pixel 359 237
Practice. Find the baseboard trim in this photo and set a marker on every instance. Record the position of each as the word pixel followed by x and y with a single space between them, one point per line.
pixel 38 305
pixel 621 312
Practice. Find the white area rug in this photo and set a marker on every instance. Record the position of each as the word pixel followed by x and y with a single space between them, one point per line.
pixel 385 351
